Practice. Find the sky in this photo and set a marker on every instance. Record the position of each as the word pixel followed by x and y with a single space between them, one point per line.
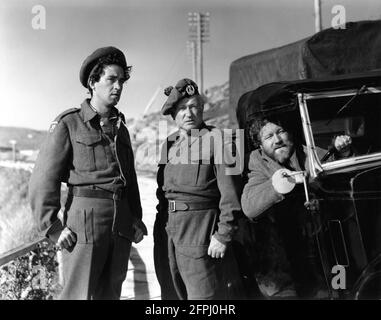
pixel 39 75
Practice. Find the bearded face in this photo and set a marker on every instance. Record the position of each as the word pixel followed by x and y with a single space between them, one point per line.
pixel 276 142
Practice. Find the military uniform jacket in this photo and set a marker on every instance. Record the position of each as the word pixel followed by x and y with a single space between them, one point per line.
pixel 77 152
pixel 200 177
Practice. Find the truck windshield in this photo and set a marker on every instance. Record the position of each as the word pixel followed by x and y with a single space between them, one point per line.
pixel 361 121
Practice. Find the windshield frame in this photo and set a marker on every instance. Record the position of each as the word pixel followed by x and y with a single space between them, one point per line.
pixel 344 165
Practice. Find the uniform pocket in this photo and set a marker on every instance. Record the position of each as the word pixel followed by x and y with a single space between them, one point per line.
pixel 194 174
pixel 85 149
pixel 82 224
pixel 205 173
pixel 89 225
pixel 188 175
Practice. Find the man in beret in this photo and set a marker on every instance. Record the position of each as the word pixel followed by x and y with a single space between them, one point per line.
pixel 274 199
pixel 199 202
pixel 89 149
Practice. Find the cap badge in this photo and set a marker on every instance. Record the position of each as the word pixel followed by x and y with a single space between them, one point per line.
pixel 189 90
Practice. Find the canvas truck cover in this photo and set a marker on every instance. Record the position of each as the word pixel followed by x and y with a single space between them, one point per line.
pixel 357 48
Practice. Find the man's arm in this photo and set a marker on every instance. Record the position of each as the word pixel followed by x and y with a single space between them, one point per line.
pixel 50 170
pixel 230 187
pixel 340 148
pixel 133 195
pixel 133 187
pixel 258 194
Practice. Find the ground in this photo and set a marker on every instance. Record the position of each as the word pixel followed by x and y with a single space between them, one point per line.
pixel 141 282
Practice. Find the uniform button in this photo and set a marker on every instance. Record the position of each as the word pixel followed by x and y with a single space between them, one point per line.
pixel 102 123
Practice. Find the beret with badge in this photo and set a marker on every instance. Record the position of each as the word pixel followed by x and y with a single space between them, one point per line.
pixel 183 89
pixel 91 62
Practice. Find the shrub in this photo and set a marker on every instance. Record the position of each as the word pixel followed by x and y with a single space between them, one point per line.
pixel 33 276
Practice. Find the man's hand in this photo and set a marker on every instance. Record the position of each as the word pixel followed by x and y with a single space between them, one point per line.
pixel 216 248
pixel 284 180
pixel 64 239
pixel 342 145
pixel 140 230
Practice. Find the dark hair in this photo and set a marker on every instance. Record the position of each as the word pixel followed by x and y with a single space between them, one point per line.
pixel 103 62
pixel 255 125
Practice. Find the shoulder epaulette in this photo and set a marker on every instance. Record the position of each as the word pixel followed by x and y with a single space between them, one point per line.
pixel 65 113
pixel 60 116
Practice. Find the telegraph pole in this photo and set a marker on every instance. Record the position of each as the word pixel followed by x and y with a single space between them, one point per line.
pixel 198 34
pixel 318 24
pixel 199 53
pixel 191 45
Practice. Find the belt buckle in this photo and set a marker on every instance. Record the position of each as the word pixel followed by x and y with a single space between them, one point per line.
pixel 172 205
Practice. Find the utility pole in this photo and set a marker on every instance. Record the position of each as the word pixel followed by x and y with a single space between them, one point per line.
pixel 198 34
pixel 318 24
pixel 191 46
pixel 199 54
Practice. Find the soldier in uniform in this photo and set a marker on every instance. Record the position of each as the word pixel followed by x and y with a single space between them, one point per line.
pixel 199 202
pixel 89 148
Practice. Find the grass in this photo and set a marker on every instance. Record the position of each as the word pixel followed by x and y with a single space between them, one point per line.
pixel 17 226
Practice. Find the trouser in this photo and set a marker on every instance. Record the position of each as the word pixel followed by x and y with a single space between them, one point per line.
pixel 195 274
pixel 96 266
pixel 161 260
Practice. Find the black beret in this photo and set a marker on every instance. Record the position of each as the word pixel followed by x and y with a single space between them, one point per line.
pixel 92 60
pixel 184 88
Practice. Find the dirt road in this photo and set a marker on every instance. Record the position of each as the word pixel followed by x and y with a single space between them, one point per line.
pixel 141 282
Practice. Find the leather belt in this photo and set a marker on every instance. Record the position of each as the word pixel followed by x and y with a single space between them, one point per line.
pixel 97 193
pixel 174 206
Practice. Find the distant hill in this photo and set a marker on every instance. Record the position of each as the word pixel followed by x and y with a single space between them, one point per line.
pixel 26 139
pixel 217 110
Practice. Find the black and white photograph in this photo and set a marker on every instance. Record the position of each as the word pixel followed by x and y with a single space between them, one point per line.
pixel 214 151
